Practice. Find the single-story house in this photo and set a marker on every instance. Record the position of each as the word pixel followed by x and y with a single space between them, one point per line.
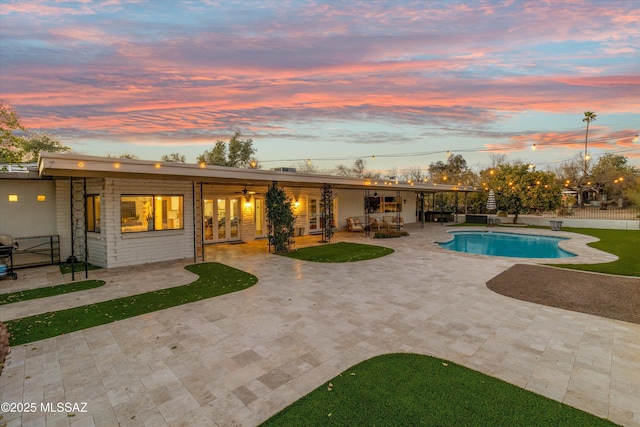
pixel 120 212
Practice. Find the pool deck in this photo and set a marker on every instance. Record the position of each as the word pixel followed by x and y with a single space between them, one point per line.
pixel 239 358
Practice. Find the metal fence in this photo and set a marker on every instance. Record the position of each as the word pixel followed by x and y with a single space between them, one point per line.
pixel 592 212
pixel 37 250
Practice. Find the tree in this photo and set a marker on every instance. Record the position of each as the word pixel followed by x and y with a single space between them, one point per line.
pixel 612 177
pixel 23 148
pixel 125 155
pixel 9 141
pixel 37 141
pixel 356 171
pixel 414 174
pixel 326 205
pixel 589 116
pixel 454 172
pixel 632 193
pixel 280 219
pixel 174 158
pixel 307 167
pixel 519 190
pixel 238 153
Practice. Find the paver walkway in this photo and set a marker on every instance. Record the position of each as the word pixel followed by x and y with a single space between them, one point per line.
pixel 239 358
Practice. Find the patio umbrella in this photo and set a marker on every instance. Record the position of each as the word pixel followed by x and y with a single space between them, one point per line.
pixel 491 201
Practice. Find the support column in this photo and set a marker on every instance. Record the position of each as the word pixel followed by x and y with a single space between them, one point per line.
pixel 79 249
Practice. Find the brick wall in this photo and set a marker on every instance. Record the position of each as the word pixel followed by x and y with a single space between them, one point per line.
pixel 125 249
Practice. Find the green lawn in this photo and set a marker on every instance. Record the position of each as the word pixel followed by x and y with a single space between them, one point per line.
pixel 412 390
pixel 214 279
pixel 340 252
pixel 49 291
pixel 623 243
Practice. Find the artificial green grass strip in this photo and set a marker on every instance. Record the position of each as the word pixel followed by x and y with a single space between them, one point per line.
pixel 413 390
pixel 214 279
pixel 340 252
pixel 623 243
pixel 49 291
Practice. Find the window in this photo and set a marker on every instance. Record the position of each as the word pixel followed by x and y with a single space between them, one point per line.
pixel 393 204
pixel 373 204
pixel 151 213
pixel 379 204
pixel 93 213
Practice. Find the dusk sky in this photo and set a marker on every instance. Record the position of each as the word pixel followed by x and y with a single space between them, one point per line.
pixel 403 81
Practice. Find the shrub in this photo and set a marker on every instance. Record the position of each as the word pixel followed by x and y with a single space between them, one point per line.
pixel 389 234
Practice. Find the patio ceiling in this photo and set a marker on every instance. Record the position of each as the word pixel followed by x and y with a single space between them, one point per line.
pixel 74 165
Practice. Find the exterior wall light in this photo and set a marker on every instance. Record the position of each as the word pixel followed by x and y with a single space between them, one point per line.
pixel 13 197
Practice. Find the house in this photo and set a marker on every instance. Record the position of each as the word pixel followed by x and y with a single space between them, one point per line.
pixel 121 212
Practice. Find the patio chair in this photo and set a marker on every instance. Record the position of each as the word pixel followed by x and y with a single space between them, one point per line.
pixel 354 224
pixel 388 222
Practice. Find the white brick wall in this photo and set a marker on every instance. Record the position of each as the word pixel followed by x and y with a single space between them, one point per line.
pixel 63 217
pixel 125 249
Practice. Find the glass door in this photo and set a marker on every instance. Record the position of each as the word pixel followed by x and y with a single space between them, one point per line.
pixel 208 220
pixel 233 232
pixel 314 215
pixel 221 219
pixel 259 217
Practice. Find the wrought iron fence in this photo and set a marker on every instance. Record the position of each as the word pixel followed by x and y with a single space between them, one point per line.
pixel 37 250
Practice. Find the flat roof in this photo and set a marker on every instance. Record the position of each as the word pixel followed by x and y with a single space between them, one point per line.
pixel 76 165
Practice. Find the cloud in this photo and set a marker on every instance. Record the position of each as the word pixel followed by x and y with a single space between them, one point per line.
pixel 151 73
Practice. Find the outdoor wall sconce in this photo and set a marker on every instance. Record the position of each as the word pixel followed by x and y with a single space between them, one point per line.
pixel 41 197
pixel 13 197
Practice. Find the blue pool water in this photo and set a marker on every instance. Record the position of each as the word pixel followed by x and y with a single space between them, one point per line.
pixel 506 244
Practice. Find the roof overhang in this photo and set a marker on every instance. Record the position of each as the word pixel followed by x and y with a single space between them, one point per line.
pixel 75 165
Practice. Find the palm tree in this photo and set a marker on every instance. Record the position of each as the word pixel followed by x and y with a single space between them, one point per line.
pixel 589 116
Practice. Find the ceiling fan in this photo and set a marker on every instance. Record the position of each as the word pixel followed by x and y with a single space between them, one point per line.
pixel 246 192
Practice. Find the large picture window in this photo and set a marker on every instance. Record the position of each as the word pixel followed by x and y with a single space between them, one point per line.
pixel 378 204
pixel 92 208
pixel 151 213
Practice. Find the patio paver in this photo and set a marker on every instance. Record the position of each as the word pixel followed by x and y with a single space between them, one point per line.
pixel 239 358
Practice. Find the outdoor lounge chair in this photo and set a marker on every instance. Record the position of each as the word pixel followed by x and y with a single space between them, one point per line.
pixel 391 222
pixel 354 224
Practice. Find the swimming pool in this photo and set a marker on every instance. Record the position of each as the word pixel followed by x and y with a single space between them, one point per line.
pixel 506 244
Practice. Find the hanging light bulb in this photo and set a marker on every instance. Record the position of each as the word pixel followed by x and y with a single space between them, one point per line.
pixel 533 147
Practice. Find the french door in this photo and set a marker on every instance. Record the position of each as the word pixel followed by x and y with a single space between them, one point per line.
pixel 314 215
pixel 259 218
pixel 221 219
